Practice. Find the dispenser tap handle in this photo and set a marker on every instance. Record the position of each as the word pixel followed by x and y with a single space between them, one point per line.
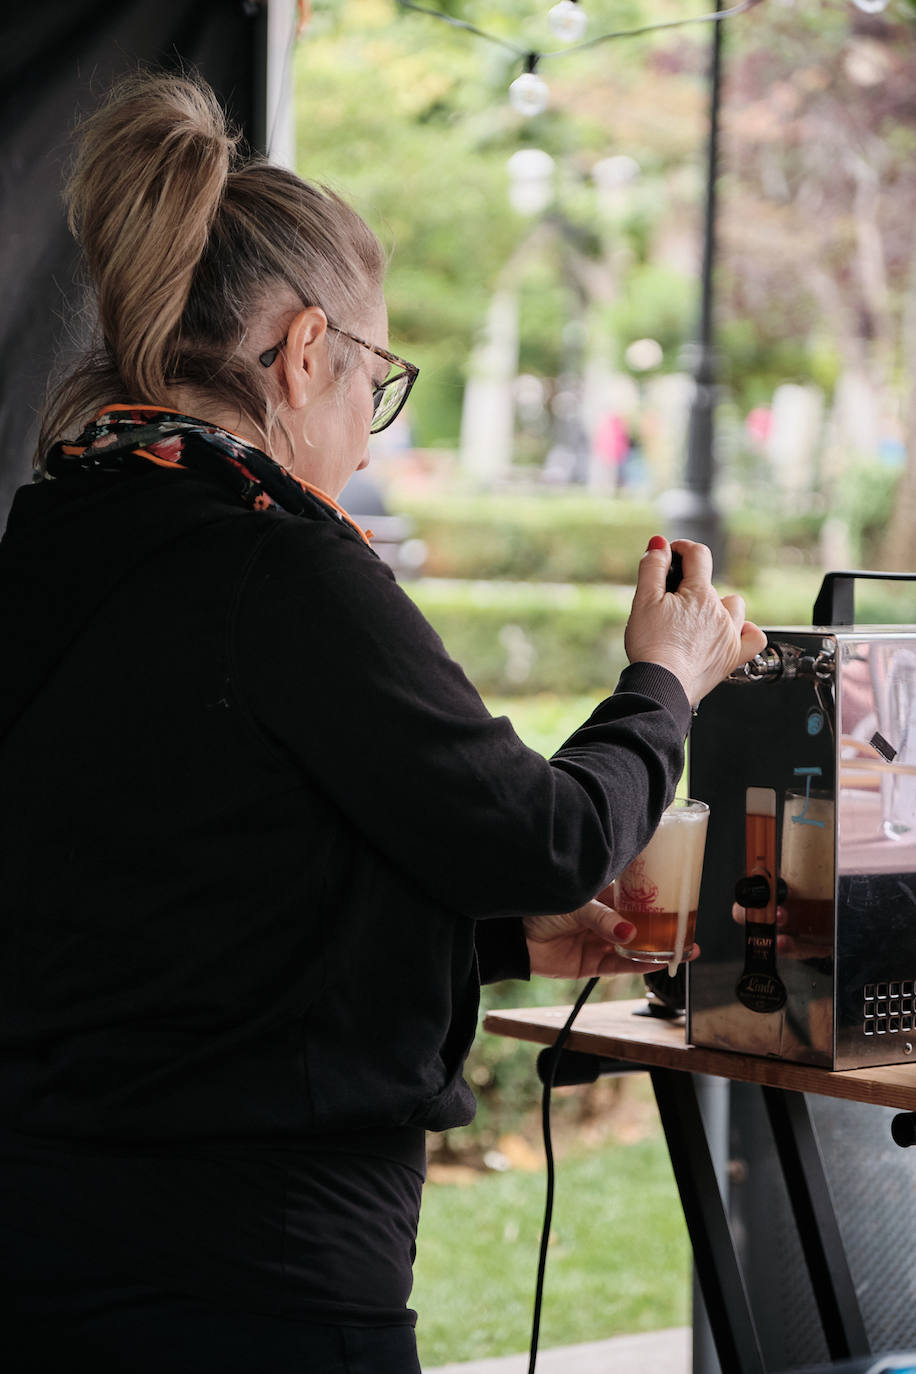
pixel 752 892
pixel 765 666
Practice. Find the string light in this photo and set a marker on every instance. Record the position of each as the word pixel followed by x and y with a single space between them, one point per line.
pixel 528 93
pixel 713 17
pixel 531 173
pixel 568 21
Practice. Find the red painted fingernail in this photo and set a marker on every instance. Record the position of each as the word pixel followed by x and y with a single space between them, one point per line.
pixel 624 930
pixel 658 541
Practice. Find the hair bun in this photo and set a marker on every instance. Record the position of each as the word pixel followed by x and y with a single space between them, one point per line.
pixel 148 178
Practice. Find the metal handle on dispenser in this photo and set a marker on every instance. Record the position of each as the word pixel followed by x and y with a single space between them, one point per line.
pixel 835 604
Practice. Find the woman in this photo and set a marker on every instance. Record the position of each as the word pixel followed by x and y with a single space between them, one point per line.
pixel 260 837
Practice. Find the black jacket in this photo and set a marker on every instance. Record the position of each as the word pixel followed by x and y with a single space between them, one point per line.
pixel 259 838
pixel 253 817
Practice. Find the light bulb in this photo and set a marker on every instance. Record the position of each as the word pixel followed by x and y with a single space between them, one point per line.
pixel 528 94
pixel 644 354
pixel 870 6
pixel 611 173
pixel 866 61
pixel 568 21
pixel 531 173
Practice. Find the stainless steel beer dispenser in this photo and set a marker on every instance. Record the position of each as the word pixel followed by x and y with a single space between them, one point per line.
pixel 807 913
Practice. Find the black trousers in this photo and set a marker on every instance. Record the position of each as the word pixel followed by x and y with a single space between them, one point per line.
pixel 59 1313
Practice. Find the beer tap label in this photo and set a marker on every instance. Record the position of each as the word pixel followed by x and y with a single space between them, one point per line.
pixel 760 988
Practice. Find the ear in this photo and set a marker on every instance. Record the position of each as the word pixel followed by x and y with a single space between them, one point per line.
pixel 304 355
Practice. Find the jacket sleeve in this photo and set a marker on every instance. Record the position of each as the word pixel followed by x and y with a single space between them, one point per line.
pixel 502 951
pixel 339 671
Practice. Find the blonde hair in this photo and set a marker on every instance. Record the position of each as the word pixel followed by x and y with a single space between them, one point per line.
pixel 183 241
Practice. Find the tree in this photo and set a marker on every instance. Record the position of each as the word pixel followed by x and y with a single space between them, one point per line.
pixel 820 203
pixel 410 120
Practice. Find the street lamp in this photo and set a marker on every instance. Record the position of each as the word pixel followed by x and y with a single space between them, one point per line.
pixel 689 510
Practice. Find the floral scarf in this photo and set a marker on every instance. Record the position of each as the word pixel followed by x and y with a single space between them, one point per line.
pixel 127 438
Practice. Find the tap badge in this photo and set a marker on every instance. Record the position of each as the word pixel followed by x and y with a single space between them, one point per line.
pixel 814 721
pixel 760 988
pixel 761 991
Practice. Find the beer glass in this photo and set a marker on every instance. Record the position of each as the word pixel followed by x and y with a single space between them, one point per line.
pixel 660 889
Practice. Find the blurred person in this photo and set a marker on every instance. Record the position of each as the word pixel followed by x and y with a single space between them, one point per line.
pixel 260 838
pixel 611 446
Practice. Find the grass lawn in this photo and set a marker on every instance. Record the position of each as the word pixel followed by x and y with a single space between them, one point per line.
pixel 618 1260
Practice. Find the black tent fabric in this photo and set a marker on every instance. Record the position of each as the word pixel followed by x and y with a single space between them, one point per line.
pixel 57 57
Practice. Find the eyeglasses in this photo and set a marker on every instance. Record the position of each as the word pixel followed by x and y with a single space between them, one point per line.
pixel 388 397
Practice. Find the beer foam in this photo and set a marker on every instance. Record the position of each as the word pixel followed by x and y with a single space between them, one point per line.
pixel 685 896
pixel 760 801
pixel 672 860
pixel 807 861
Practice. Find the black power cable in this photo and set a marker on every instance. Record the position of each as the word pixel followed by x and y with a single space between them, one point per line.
pixel 549 1076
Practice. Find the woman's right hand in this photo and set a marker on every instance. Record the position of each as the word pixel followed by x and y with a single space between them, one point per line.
pixel 693 632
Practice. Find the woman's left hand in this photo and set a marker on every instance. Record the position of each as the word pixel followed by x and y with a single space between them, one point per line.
pixel 581 943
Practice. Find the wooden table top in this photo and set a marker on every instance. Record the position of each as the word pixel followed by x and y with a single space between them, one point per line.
pixel 612 1031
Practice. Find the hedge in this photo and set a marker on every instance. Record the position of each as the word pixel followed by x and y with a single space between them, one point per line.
pixel 581 536
pixel 521 637
pixel 549 537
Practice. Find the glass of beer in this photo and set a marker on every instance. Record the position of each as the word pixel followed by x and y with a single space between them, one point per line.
pixel 807 867
pixel 660 889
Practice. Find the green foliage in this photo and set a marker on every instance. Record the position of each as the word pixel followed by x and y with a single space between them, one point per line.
pixel 866 501
pixel 863 498
pixel 435 406
pixel 886 603
pixel 545 306
pixel 581 538
pixel 529 637
pixel 553 536
pixel 525 639
pixel 561 631
pixel 756 356
pixel 408 119
pixel 656 302
pixel 388 114
pixel 791 538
